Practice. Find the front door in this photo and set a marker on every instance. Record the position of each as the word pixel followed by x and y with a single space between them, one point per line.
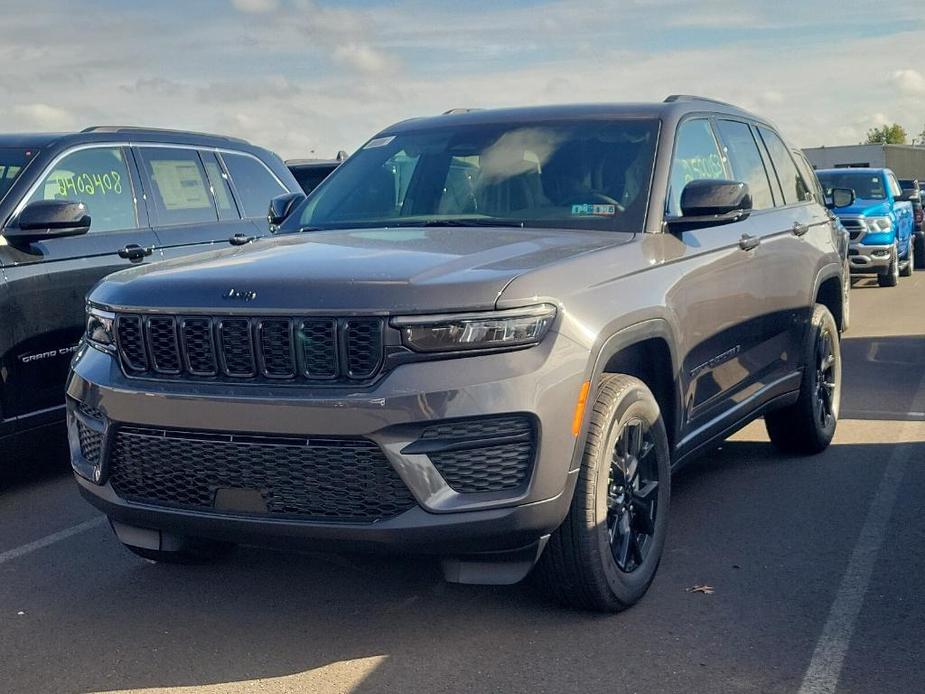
pixel 47 282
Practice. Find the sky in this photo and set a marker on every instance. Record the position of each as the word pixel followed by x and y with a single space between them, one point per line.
pixel 310 77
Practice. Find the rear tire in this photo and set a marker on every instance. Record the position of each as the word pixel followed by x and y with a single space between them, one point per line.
pixel 891 276
pixel 807 426
pixel 195 551
pixel 606 552
pixel 909 267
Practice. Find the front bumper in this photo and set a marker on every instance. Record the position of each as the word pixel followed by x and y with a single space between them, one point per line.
pixel 542 382
pixel 867 259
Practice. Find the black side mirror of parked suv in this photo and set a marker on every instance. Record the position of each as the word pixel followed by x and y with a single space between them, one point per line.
pixel 712 202
pixel 49 219
pixel 840 197
pixel 282 206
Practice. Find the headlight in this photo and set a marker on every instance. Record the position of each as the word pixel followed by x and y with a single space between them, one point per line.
pixel 99 329
pixel 879 224
pixel 489 330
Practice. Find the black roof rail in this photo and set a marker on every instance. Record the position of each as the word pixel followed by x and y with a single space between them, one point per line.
pixel 166 131
pixel 450 112
pixel 692 97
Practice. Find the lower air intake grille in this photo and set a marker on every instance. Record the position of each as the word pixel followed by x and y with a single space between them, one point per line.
pixel 91 441
pixel 490 454
pixel 347 480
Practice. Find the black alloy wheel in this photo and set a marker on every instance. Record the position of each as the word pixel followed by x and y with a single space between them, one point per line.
pixel 632 496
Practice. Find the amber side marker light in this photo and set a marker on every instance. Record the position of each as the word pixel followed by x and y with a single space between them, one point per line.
pixel 580 407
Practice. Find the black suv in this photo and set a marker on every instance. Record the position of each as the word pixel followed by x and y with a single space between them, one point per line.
pixel 311 172
pixel 75 207
pixel 495 337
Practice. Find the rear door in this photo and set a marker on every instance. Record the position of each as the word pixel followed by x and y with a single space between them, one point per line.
pixel 192 207
pixel 47 282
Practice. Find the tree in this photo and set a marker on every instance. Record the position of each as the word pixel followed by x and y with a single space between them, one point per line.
pixel 894 134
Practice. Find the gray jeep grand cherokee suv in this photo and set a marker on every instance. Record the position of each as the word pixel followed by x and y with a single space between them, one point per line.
pixel 489 336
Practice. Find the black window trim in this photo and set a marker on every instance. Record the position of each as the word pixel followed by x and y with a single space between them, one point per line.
pixel 235 198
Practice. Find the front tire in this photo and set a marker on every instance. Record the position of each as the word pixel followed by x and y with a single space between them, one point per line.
pixel 605 554
pixel 807 426
pixel 891 276
pixel 909 267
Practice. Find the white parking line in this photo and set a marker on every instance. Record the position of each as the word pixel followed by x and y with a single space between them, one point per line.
pixel 825 667
pixel 17 552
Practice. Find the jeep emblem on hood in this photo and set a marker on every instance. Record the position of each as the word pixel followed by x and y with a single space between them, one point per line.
pixel 240 294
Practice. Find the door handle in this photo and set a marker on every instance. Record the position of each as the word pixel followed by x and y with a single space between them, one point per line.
pixel 134 252
pixel 240 239
pixel 799 229
pixel 748 242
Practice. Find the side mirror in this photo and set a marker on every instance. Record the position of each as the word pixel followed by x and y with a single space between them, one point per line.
pixel 840 197
pixel 282 206
pixel 711 202
pixel 49 219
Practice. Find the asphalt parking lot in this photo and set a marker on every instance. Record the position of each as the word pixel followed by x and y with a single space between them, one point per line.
pixel 815 565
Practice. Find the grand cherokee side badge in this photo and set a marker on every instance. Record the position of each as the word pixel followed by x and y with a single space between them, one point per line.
pixel 240 294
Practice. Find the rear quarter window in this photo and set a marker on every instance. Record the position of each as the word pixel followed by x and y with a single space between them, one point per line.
pixel 254 183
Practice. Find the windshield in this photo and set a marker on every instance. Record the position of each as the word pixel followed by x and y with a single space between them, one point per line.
pixel 12 162
pixel 867 186
pixel 582 175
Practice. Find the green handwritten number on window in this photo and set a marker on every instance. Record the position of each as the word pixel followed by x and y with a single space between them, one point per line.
pixel 90 184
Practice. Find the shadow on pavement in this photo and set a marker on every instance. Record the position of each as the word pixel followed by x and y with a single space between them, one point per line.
pixel 881 378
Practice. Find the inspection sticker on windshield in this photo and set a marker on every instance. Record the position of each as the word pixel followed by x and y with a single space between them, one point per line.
pixel 379 142
pixel 594 210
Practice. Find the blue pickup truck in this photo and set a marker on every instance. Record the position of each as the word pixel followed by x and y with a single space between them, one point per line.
pixel 880 222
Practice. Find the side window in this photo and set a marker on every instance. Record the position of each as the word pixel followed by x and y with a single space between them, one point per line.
pixel 181 191
pixel 745 161
pixel 696 156
pixel 792 183
pixel 99 178
pixel 218 181
pixel 810 176
pixel 895 189
pixel 255 184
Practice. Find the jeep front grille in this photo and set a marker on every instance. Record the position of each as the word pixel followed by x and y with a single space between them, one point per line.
pixel 250 348
pixel 345 480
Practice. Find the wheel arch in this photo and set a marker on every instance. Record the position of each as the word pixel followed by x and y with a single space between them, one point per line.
pixel 829 290
pixel 648 351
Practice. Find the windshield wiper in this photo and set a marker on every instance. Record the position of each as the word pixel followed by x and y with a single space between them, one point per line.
pixel 471 223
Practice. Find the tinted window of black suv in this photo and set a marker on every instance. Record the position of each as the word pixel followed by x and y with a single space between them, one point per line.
pixel 150 195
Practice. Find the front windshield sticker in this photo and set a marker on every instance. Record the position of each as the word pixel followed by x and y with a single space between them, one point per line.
pixel 593 210
pixel 379 142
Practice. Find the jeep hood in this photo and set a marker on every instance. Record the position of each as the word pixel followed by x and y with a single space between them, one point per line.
pixel 361 270
pixel 866 208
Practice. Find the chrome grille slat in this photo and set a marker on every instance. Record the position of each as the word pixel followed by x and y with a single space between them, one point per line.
pixel 253 348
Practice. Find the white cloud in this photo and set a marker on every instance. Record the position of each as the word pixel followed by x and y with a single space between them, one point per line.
pixel 255 6
pixel 44 117
pixel 909 82
pixel 364 58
